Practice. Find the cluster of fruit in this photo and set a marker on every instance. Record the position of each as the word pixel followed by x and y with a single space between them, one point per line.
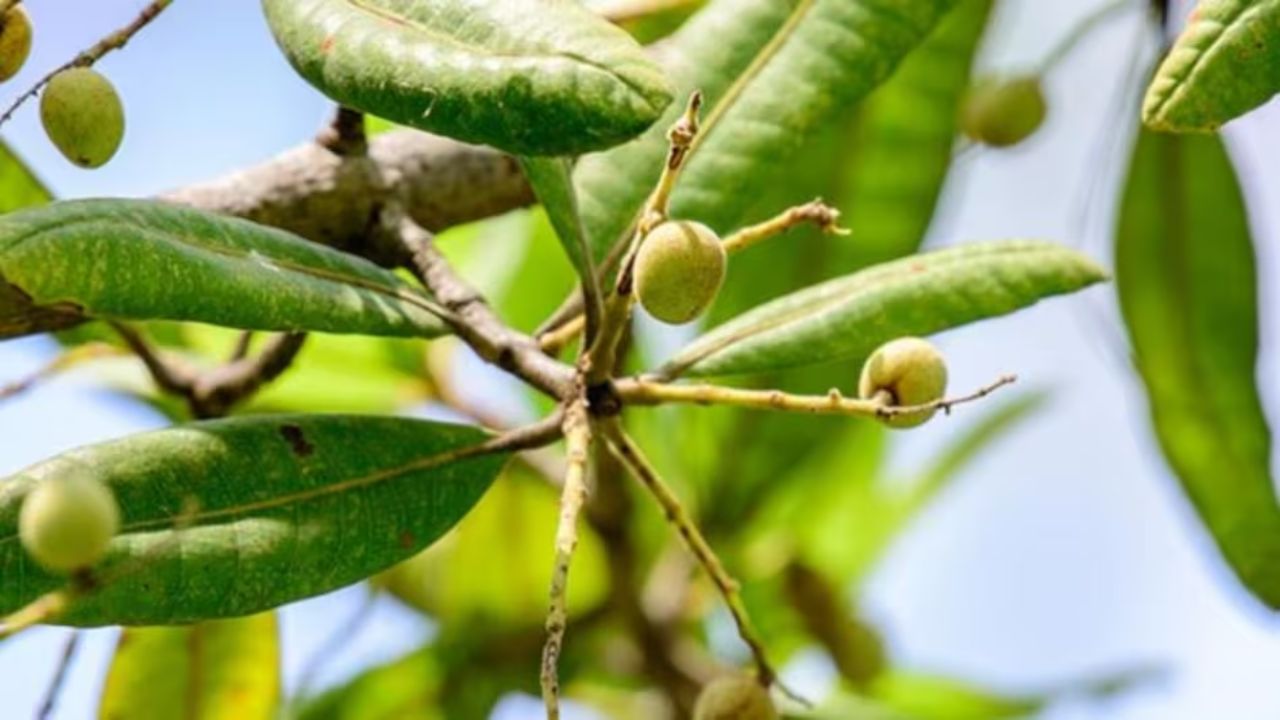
pixel 79 108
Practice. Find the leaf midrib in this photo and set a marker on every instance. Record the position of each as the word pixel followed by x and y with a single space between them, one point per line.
pixel 1180 85
pixel 284 264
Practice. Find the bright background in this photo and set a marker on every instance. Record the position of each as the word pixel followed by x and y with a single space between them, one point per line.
pixel 1066 552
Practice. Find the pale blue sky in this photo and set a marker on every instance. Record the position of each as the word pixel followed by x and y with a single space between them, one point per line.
pixel 1067 552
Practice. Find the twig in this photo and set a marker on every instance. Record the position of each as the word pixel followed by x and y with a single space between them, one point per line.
pixel 642 392
pixel 816 212
pixel 1080 31
pixel 114 41
pixel 241 349
pixel 333 644
pixel 59 675
pixel 577 433
pixel 617 309
pixel 170 375
pixel 631 456
pixel 345 134
pixel 474 321
pixel 62 362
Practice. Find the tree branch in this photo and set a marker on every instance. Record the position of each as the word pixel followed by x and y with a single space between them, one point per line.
pixel 475 321
pixel 337 199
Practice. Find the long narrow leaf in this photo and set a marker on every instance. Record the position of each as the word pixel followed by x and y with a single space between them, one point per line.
pixel 232 517
pixel 1187 282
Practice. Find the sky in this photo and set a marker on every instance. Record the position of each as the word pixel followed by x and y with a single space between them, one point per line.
pixel 1066 552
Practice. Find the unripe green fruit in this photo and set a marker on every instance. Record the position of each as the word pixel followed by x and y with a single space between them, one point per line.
pixel 82 115
pixel 679 270
pixel 15 41
pixel 911 371
pixel 734 697
pixel 1003 112
pixel 66 522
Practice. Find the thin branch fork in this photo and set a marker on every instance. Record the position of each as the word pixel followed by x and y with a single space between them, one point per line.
pixel 630 455
pixel 212 393
pixel 638 391
pixel 93 54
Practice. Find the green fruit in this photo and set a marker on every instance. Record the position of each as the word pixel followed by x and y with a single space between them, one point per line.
pixel 15 41
pixel 734 697
pixel 66 522
pixel 83 116
pixel 1003 112
pixel 908 371
pixel 679 270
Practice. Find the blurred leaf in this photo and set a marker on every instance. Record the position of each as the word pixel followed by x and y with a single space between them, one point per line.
pixel 903 139
pixel 152 260
pixel 770 73
pixel 216 670
pixel 929 697
pixel 285 507
pixel 552 182
pixel 19 187
pixel 1188 290
pixel 1226 63
pixel 511 534
pixel 527 76
pixel 849 316
pixel 405 689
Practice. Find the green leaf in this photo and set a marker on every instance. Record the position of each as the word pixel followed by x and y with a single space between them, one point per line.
pixel 441 581
pixel 1188 290
pixel 405 689
pixel 1226 63
pixel 216 670
pixel 285 507
pixel 532 77
pixel 850 316
pixel 770 73
pixel 902 142
pixel 552 182
pixel 144 260
pixel 19 187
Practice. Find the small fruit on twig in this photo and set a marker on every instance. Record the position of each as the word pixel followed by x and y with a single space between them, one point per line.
pixel 15 41
pixel 1001 112
pixel 679 270
pixel 66 522
pixel 734 697
pixel 83 116
pixel 904 372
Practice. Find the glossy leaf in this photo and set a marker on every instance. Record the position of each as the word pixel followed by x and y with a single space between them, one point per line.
pixel 215 670
pixel 532 77
pixel 285 507
pixel 19 187
pixel 902 140
pixel 848 317
pixel 1226 63
pixel 143 260
pixel 1185 271
pixel 770 72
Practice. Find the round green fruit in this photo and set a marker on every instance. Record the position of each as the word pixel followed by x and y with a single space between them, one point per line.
pixel 66 522
pixel 679 270
pixel 734 697
pixel 906 371
pixel 15 41
pixel 1003 112
pixel 82 115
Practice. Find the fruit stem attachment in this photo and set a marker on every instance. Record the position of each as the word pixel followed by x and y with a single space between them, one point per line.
pixel 93 54
pixel 600 357
pixel 638 391
pixel 577 433
pixel 815 211
pixel 630 455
